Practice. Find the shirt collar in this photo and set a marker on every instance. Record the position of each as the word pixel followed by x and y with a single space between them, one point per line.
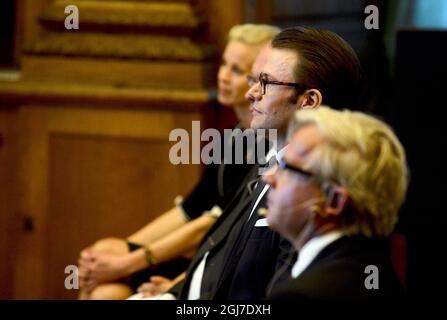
pixel 312 248
pixel 278 154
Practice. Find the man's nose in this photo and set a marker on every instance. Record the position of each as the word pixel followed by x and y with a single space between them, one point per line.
pixel 254 93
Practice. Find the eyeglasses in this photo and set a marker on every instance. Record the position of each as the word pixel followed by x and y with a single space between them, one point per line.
pixel 327 187
pixel 283 165
pixel 264 80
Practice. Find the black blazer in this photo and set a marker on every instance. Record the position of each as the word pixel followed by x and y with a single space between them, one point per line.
pixel 214 243
pixel 252 259
pixel 338 273
pixel 242 258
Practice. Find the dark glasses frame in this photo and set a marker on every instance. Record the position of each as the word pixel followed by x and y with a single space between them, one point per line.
pixel 327 187
pixel 264 81
pixel 283 165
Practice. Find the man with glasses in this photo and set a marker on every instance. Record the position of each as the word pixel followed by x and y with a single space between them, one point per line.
pixel 301 69
pixel 338 221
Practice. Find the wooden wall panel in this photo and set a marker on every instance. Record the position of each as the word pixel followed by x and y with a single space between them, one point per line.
pixel 86 174
pixel 27 24
pixel 222 15
pixel 8 153
pixel 121 73
pixel 102 186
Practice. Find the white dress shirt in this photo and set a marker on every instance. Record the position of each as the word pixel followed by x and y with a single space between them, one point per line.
pixel 311 249
pixel 196 281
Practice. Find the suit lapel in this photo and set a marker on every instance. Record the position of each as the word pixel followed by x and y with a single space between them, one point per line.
pixel 222 228
pixel 243 232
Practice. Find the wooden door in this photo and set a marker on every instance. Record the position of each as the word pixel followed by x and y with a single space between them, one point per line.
pixel 8 215
pixel 87 174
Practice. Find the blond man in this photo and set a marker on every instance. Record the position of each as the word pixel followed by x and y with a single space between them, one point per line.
pixel 335 197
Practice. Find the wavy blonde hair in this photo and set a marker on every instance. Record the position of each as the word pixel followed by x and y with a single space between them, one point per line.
pixel 253 34
pixel 363 155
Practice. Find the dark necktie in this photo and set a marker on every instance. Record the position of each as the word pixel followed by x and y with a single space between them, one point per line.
pixel 248 221
pixel 284 272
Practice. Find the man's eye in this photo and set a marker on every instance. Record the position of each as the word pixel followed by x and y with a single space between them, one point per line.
pixel 264 77
pixel 251 79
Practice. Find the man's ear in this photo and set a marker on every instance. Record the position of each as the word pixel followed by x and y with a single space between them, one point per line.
pixel 310 99
pixel 336 201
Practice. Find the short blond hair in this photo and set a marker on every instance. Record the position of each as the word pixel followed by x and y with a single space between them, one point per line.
pixel 253 34
pixel 363 155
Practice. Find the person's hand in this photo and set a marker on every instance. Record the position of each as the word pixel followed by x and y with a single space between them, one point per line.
pixel 156 286
pixel 83 267
pixel 100 267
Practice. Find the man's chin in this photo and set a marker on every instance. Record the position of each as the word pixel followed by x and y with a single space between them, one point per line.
pixel 271 221
pixel 255 124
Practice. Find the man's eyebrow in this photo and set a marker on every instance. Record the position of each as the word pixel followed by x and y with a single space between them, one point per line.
pixel 254 74
pixel 266 75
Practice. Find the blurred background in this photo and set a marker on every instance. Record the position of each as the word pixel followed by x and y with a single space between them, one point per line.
pixel 85 117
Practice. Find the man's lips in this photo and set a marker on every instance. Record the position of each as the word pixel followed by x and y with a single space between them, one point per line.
pixel 254 110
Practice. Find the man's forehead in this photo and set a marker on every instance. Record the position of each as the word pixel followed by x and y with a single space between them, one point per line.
pixel 278 63
pixel 261 59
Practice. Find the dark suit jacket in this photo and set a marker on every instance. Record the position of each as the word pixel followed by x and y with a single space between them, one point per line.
pixel 252 259
pixel 338 273
pixel 242 258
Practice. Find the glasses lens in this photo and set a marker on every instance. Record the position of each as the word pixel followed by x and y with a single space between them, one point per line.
pixel 251 80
